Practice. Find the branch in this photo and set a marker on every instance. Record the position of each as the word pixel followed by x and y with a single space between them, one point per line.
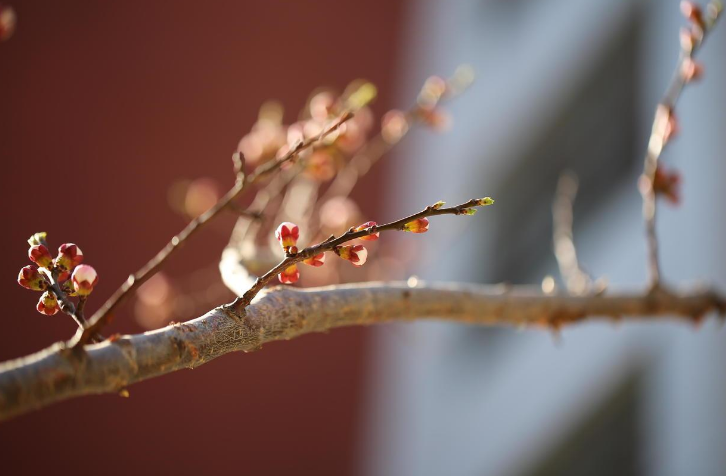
pixel 104 314
pixel 664 122
pixel 332 243
pixel 59 372
pixel 576 280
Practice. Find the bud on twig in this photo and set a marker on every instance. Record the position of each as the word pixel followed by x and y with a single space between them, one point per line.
pixel 287 234
pixel 48 304
pixel 40 255
pixel 420 225
pixel 69 256
pixel 84 278
pixel 317 260
pixel 364 226
pixel 30 278
pixel 356 254
pixel 290 275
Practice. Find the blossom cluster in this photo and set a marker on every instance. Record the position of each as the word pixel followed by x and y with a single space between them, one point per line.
pixel 288 234
pixel 65 270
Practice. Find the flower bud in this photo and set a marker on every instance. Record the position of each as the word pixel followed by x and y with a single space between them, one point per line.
pixel 37 238
pixel 356 254
pixel 364 226
pixel 30 278
pixel 290 275
pixel 420 225
pixel 486 201
pixel 317 260
pixel 287 234
pixel 438 204
pixel 48 304
pixel 40 255
pixel 69 256
pixel 84 278
pixel 469 211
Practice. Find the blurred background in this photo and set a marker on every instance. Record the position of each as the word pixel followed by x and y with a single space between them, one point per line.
pixel 105 106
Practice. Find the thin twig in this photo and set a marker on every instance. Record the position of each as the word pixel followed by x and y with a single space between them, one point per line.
pixel 332 242
pixel 659 139
pixel 576 280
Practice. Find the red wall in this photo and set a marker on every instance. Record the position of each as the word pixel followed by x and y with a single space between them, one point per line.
pixel 103 105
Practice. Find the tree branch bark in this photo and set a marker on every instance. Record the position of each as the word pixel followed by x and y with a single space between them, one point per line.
pixel 60 372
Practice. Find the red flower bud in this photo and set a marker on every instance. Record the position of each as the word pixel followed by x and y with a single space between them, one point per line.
pixel 30 278
pixel 40 255
pixel 69 256
pixel 48 304
pixel 356 254
pixel 84 278
pixel 317 260
pixel 420 225
pixel 287 234
pixel 290 275
pixel 372 236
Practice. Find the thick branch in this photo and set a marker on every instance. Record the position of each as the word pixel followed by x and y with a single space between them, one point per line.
pixel 59 372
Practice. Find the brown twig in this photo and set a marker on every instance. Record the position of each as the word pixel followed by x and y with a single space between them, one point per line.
pixel 659 137
pixel 576 280
pixel 332 242
pixel 103 315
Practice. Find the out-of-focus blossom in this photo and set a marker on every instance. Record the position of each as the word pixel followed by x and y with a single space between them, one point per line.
pixel 320 166
pixel 692 12
pixel 394 126
pixel 201 195
pixel 668 184
pixel 7 21
pixel 337 213
pixel 691 70
pixel 434 87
